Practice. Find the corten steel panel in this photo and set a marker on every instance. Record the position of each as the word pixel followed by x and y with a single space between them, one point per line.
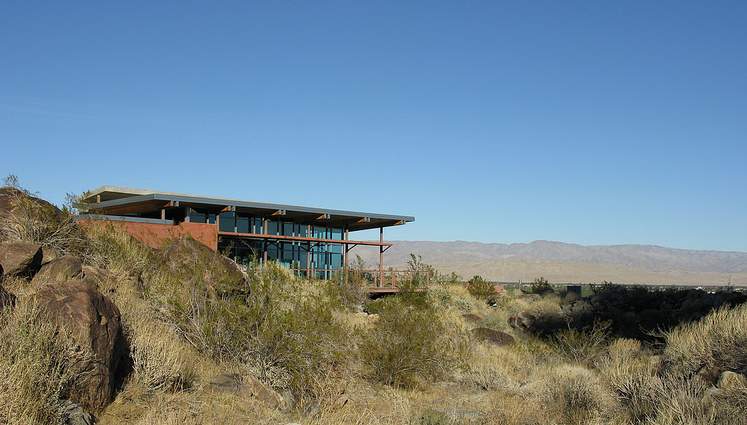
pixel 156 235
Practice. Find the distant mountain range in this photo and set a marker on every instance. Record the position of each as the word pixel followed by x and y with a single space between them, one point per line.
pixel 565 262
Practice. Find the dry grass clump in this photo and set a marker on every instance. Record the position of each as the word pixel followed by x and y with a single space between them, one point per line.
pixel 718 341
pixel 113 249
pixel 498 368
pixel 630 374
pixel 575 395
pixel 161 361
pixel 584 347
pixel 35 368
pixel 680 401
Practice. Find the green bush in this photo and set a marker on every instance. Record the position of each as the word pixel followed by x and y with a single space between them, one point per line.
pixel 409 344
pixel 540 286
pixel 481 289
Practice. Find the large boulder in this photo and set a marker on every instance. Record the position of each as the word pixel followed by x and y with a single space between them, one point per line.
pixel 19 258
pixel 59 270
pixel 94 323
pixel 198 268
pixel 9 197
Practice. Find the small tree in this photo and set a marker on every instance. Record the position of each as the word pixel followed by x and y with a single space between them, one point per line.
pixel 540 286
pixel 481 289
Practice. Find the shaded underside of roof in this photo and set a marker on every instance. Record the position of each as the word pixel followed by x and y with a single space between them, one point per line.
pixel 125 201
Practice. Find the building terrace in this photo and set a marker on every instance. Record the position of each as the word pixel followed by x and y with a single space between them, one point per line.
pixel 313 242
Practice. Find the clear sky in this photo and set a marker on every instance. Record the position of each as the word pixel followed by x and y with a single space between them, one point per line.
pixel 593 122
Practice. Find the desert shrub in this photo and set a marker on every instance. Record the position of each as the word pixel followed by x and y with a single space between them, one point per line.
pixel 718 341
pixel 543 317
pixel 409 344
pixel 540 286
pixel 289 339
pixel 351 292
pixel 575 395
pixel 481 289
pixel 34 220
pixel 36 362
pixel 584 346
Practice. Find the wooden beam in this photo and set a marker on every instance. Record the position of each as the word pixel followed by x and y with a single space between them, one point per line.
pixel 279 212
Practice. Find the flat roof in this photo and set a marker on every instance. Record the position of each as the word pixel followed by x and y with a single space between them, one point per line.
pixel 117 200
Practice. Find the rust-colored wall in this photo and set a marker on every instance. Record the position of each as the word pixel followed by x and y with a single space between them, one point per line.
pixel 155 235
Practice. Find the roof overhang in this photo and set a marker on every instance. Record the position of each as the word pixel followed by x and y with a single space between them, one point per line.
pixel 123 201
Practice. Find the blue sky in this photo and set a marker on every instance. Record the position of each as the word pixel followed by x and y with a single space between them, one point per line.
pixel 589 122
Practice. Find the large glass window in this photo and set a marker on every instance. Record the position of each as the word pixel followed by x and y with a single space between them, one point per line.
pixel 242 224
pixel 272 227
pixel 287 228
pixel 227 221
pixel 258 225
pixel 197 216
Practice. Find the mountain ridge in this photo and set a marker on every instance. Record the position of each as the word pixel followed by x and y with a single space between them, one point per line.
pixel 625 263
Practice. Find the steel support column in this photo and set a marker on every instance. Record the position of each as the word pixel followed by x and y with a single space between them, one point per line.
pixel 345 250
pixel 381 256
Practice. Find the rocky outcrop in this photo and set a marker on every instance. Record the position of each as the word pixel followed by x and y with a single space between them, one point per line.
pixel 19 258
pixel 59 270
pixel 201 269
pixel 94 323
pixel 492 336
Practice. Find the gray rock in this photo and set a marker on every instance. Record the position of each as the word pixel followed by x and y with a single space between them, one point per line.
pixel 731 380
pixel 75 415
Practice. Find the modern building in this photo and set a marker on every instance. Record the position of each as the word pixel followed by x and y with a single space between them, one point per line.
pixel 310 241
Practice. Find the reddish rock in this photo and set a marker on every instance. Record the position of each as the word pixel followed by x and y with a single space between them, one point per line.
pixel 59 270
pixel 94 323
pixel 19 258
